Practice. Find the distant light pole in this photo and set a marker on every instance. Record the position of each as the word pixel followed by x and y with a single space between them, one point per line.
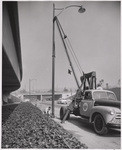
pixel 81 10
pixel 30 85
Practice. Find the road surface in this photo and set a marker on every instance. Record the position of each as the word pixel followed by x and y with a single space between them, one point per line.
pixel 84 132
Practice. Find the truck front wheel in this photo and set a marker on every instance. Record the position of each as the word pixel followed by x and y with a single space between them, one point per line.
pixel 99 125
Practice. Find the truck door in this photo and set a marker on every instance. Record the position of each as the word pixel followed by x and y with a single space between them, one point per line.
pixel 86 104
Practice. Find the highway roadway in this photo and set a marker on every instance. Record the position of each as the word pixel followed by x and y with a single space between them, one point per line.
pixel 84 132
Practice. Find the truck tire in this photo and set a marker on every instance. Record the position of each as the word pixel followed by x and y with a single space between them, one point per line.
pixel 63 112
pixel 99 125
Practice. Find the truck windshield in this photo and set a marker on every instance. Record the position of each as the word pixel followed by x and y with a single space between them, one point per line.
pixel 103 95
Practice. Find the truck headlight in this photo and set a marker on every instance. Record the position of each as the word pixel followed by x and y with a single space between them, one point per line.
pixel 112 112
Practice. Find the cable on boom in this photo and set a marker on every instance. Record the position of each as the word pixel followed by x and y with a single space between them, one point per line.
pixel 74 57
pixel 68 43
pixel 66 50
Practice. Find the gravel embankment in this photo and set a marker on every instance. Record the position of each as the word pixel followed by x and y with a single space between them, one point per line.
pixel 28 127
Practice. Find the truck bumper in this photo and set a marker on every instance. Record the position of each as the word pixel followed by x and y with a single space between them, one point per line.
pixel 111 125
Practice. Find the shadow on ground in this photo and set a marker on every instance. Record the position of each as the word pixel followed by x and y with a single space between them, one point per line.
pixel 84 125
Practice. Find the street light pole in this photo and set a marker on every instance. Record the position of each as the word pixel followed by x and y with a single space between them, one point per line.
pixel 53 62
pixel 81 10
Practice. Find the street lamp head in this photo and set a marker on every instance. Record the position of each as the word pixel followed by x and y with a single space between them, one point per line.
pixel 81 9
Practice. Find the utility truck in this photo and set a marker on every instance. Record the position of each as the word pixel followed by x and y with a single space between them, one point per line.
pixel 99 107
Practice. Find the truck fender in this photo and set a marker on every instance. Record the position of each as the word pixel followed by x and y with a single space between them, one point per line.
pixel 104 111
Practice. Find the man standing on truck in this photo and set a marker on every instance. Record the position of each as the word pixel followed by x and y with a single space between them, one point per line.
pixel 99 87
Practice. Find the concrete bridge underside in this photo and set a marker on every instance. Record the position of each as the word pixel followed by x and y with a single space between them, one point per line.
pixel 11 49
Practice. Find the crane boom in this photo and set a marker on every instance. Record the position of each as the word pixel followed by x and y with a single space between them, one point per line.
pixel 87 80
pixel 59 28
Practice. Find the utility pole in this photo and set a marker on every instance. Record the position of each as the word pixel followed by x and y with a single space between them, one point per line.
pixel 29 86
pixel 53 62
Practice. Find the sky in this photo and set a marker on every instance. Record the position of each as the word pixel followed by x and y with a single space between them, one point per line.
pixel 94 36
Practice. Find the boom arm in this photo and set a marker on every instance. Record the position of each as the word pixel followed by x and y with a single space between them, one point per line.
pixel 88 81
pixel 60 31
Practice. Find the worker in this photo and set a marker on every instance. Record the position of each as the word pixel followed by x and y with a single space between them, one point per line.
pixel 99 87
pixel 48 110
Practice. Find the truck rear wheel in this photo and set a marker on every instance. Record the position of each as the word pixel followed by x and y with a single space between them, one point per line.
pixel 99 125
pixel 63 112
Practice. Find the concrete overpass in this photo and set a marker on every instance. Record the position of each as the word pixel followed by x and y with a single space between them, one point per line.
pixel 11 49
pixel 42 96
